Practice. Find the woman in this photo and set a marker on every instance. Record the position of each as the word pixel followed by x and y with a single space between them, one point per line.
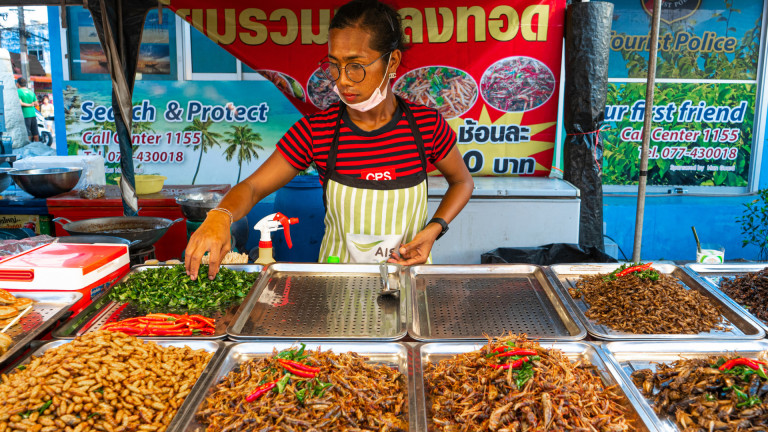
pixel 371 152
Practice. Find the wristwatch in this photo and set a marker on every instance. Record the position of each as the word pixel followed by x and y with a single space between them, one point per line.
pixel 442 223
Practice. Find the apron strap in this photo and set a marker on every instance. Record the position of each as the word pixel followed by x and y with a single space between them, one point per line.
pixel 333 152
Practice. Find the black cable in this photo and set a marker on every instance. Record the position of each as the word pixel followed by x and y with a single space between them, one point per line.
pixel 617 245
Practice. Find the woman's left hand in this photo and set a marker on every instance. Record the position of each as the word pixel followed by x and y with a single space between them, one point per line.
pixel 417 250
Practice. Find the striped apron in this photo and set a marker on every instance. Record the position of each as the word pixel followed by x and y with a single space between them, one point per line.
pixel 367 220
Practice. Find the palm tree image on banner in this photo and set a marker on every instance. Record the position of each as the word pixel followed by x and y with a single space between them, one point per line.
pixel 208 139
pixel 243 144
pixel 191 132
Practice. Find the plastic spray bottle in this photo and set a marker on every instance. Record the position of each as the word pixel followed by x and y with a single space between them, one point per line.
pixel 267 225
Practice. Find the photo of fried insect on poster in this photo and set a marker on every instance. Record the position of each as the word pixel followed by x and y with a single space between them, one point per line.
pixel 704 102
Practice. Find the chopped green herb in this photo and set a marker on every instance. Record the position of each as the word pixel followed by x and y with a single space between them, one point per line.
pixel 169 289
pixel 45 407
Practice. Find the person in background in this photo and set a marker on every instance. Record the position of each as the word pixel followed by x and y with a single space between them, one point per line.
pixel 372 151
pixel 46 108
pixel 28 101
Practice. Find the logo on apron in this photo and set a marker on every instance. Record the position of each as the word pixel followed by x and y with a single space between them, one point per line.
pixel 368 248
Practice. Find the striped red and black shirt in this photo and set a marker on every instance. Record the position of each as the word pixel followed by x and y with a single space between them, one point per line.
pixel 384 154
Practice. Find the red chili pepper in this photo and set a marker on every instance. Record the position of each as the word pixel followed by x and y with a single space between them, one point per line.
pixel 730 364
pixel 299 366
pixel 298 372
pixel 261 390
pixel 633 269
pixel 519 362
pixel 501 366
pixel 125 329
pixel 514 365
pixel 204 319
pixel 501 348
pixel 518 352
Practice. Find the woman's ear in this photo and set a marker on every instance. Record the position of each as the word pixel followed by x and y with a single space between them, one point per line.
pixel 394 60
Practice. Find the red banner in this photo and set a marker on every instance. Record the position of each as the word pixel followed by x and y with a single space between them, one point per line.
pixel 492 69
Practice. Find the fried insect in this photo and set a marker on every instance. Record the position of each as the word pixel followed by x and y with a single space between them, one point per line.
pixel 101 381
pixel 297 390
pixel 474 391
pixel 700 397
pixel 646 306
pixel 751 291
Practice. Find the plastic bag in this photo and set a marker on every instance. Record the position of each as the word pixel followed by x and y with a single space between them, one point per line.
pixel 17 246
pixel 554 253
pixel 35 148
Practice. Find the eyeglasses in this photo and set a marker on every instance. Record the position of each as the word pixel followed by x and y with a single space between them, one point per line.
pixel 355 71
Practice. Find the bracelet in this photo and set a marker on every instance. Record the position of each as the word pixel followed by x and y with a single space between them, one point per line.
pixel 223 210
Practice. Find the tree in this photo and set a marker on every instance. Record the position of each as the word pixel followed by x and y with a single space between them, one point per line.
pixel 242 142
pixel 208 139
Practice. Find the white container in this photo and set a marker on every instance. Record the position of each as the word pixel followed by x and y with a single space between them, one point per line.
pixel 710 254
pixel 93 167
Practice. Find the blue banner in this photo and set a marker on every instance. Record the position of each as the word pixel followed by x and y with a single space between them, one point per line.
pixel 193 132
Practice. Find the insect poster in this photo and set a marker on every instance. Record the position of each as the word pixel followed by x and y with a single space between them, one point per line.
pixel 491 68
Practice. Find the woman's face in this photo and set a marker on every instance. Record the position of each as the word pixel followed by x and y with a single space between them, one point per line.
pixel 352 45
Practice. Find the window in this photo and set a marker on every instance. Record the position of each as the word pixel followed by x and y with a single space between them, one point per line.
pixel 157 54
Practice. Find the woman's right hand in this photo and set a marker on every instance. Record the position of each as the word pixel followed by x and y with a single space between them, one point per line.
pixel 213 236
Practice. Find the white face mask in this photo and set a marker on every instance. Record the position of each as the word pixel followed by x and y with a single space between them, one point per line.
pixel 372 102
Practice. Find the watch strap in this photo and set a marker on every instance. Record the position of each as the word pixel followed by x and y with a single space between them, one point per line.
pixel 442 223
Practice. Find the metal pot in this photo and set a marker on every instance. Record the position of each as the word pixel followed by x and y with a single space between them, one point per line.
pixel 195 206
pixel 147 230
pixel 91 239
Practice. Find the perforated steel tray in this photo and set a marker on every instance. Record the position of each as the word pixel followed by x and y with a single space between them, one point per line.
pixel 392 354
pixel 215 347
pixel 461 302
pixel 627 357
pixel 103 310
pixel 434 352
pixel 49 306
pixel 322 301
pixel 738 325
pixel 712 275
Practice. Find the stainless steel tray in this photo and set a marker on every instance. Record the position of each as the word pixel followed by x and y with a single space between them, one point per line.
pixel 466 302
pixel 627 357
pixel 322 302
pixel 711 276
pixel 215 347
pixel 49 306
pixel 738 325
pixel 434 352
pixel 103 310
pixel 395 355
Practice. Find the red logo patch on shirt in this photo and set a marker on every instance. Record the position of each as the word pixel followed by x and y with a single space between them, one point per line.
pixel 378 174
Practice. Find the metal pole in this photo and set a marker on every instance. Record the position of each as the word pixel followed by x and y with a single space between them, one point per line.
pixel 23 45
pixel 650 84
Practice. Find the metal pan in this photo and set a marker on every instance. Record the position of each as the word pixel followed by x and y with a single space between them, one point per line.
pixel 434 352
pixel 48 308
pixel 627 357
pixel 215 347
pixel 466 302
pixel 323 302
pixel 738 325
pixel 395 355
pixel 711 275
pixel 147 230
pixel 103 310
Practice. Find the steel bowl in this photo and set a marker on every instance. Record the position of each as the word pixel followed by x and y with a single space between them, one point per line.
pixel 5 178
pixel 47 182
pixel 194 206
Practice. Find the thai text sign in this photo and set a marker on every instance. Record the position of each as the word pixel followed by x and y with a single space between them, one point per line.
pixel 491 68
